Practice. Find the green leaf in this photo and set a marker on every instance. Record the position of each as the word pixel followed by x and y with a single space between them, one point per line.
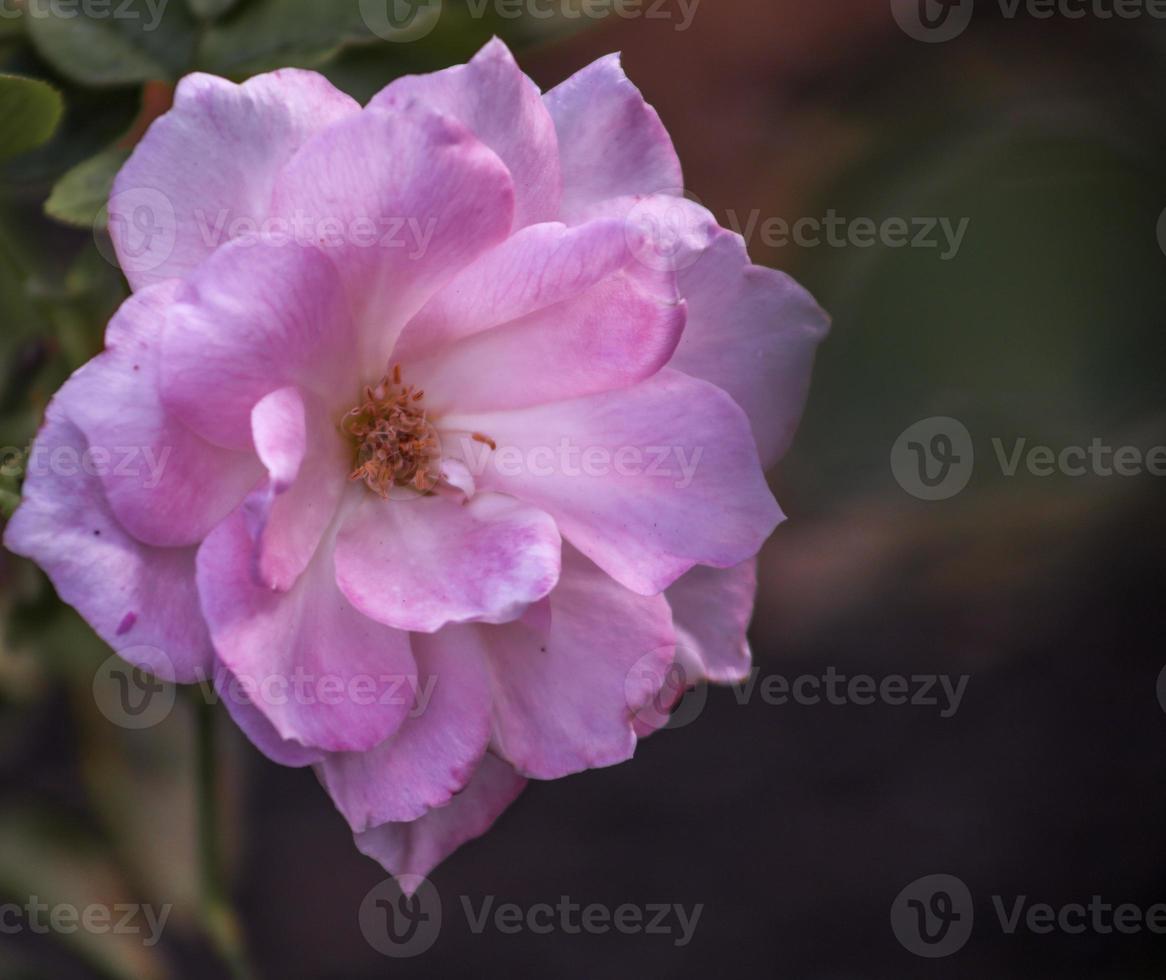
pixel 268 34
pixel 80 196
pixel 210 9
pixel 126 42
pixel 30 111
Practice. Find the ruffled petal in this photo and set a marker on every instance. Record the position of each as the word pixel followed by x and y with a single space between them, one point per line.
pixel 434 754
pixel 753 332
pixel 140 600
pixel 307 462
pixel 204 172
pixel 611 142
pixel 167 486
pixel 401 200
pixel 417 848
pixel 565 699
pixel 646 481
pixel 324 675
pixel 711 608
pixel 536 268
pixel 259 315
pixel 421 563
pixel 503 108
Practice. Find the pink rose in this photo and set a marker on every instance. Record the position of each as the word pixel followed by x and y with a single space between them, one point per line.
pixel 450 420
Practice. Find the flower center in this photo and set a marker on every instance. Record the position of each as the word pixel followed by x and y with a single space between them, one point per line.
pixel 396 446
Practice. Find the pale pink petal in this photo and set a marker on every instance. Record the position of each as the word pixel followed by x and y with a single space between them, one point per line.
pixel 167 486
pixel 647 481
pixel 254 724
pixel 564 700
pixel 753 332
pixel 204 172
pixel 307 461
pixel 142 601
pixel 712 608
pixel 536 268
pixel 256 317
pixel 433 755
pixel 417 848
pixel 324 675
pixel 400 200
pixel 613 335
pixel 503 108
pixel 611 143
pixel 421 563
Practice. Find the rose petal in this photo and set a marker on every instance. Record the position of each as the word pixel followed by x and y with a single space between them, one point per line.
pixel 167 486
pixel 324 675
pixel 400 200
pixel 417 848
pixel 611 142
pixel 503 108
pixel 418 564
pixel 564 700
pixel 141 600
pixel 170 209
pixel 712 608
pixel 646 481
pixel 435 752
pixel 257 316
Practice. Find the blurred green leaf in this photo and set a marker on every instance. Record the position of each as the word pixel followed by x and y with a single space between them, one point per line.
pixel 30 112
pixel 146 40
pixel 267 34
pixel 210 9
pixel 80 196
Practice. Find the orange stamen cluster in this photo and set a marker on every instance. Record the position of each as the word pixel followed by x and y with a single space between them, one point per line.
pixel 396 446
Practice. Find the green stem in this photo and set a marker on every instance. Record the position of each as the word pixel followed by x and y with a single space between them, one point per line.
pixel 218 913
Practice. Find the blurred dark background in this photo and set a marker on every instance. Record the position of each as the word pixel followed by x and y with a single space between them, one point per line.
pixel 794 826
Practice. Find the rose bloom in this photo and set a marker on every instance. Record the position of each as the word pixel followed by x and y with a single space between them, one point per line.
pixel 460 415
